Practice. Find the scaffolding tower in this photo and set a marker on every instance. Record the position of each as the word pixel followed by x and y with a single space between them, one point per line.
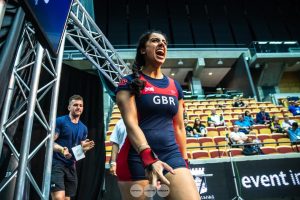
pixel 31 58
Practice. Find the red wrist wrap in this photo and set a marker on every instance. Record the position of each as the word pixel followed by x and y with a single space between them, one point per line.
pixel 148 157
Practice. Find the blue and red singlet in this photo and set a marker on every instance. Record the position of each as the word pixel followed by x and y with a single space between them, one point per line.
pixel 156 107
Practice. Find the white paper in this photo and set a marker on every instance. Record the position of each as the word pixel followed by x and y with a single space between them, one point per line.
pixel 78 152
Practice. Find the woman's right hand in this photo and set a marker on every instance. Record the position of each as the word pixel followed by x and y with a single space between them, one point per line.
pixel 155 173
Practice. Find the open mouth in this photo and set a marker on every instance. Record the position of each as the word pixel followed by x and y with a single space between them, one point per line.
pixel 160 52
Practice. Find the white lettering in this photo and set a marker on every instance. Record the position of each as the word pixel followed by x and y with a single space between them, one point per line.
pixel 265 181
pixel 292 177
pixel 164 100
pixel 297 178
pixel 246 182
pixel 255 181
pixel 172 101
pixel 277 180
pixel 156 100
pixel 282 175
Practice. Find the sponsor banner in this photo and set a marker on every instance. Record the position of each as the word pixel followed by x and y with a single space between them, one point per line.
pixel 256 179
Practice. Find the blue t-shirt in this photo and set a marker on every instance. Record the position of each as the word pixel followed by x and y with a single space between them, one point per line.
pixel 294 135
pixel 249 119
pixel 156 106
pixel 69 135
pixel 243 123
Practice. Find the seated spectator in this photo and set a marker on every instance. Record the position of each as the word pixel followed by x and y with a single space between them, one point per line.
pixel 248 117
pixel 238 137
pixel 199 129
pixel 238 103
pixel 215 120
pixel 188 129
pixel 244 125
pixel 287 123
pixel 263 117
pixel 294 133
pixel 275 125
pixel 294 108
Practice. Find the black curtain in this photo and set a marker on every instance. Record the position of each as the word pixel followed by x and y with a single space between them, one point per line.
pixel 91 169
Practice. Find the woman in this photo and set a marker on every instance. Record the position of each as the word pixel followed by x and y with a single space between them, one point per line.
pixel 199 129
pixel 151 105
pixel 248 117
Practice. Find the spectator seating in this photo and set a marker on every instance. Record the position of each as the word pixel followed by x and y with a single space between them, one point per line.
pixel 235 152
pixel 217 153
pixel 200 154
pixel 268 150
pixel 215 142
pixel 284 149
pixel 262 137
pixel 284 142
pixel 269 142
pixel 276 136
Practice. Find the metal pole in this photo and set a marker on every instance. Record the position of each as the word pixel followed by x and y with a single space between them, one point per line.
pixel 8 98
pixel 237 197
pixel 25 145
pixel 52 117
pixel 2 11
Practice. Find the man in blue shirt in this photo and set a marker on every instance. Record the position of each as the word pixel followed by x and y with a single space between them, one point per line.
pixel 294 133
pixel 70 132
pixel 244 125
pixel 294 108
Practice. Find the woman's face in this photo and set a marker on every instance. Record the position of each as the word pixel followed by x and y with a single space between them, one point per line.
pixel 155 50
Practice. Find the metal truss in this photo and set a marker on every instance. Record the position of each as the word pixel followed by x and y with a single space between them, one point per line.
pixel 25 89
pixel 24 84
pixel 87 37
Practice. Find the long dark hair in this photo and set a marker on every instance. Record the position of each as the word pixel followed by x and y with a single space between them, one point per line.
pixel 136 84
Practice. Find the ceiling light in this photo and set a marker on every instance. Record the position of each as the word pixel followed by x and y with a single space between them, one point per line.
pixel 180 62
pixel 220 62
pixel 210 73
pixel 173 74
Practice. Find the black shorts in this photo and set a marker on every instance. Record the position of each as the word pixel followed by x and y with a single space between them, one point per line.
pixel 64 178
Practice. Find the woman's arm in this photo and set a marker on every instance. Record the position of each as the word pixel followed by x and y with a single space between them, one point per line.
pixel 127 107
pixel 179 130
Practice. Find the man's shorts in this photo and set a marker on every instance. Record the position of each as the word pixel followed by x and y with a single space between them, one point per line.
pixel 64 178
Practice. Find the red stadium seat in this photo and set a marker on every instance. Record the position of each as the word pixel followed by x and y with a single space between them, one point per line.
pixel 262 137
pixel 235 152
pixel 218 139
pixel 268 150
pixel 284 149
pixel 217 153
pixel 276 136
pixel 189 154
pixel 191 140
pixel 205 139
pixel 200 154
pixel 107 158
